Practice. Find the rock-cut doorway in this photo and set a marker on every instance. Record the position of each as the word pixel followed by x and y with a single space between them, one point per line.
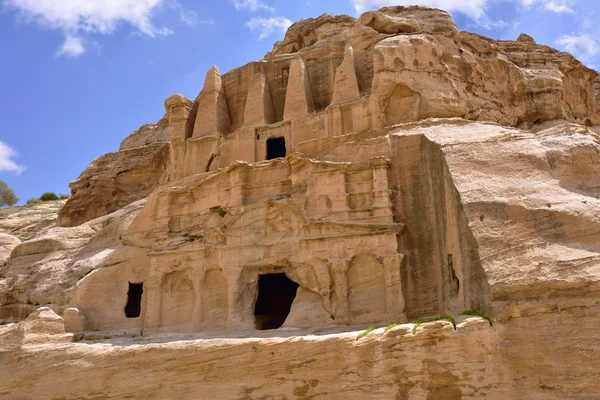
pixel 276 293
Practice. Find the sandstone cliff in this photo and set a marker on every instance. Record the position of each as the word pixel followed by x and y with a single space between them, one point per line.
pixel 394 172
pixel 116 179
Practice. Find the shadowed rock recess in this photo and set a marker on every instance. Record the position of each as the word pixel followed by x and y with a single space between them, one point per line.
pixel 298 230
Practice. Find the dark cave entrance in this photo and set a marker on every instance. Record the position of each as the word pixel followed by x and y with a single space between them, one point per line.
pixel 276 293
pixel 276 148
pixel 133 308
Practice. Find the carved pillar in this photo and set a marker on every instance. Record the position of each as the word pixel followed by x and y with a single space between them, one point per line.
pixel 237 179
pixel 178 111
pixel 331 192
pixel 213 114
pixel 339 270
pixel 153 289
pixel 394 300
pixel 196 275
pixel 345 86
pixel 259 107
pixel 235 287
pixel 298 96
pixel 324 281
pixel 382 205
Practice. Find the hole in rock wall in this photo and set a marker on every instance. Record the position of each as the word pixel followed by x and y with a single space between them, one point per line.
pixel 275 148
pixel 133 308
pixel 276 293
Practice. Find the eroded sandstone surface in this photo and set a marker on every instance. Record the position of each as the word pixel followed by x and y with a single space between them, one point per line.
pixel 117 179
pixel 312 217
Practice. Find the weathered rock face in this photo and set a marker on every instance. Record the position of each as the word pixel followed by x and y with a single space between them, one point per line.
pixel 7 244
pixel 27 221
pixel 313 194
pixel 41 270
pixel 117 179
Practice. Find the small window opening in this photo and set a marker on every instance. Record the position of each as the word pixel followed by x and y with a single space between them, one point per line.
pixel 276 293
pixel 275 148
pixel 133 308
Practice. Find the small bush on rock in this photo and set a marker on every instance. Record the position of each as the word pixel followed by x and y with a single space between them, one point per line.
pixel 48 196
pixel 34 201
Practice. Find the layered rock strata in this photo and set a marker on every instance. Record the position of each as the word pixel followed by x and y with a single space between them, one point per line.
pixel 117 179
pixel 381 170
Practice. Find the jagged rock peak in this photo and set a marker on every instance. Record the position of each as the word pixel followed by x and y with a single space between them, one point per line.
pixel 525 38
pixel 307 32
pixel 387 20
pixel 411 19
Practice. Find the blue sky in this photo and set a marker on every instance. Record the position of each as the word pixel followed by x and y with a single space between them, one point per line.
pixel 77 76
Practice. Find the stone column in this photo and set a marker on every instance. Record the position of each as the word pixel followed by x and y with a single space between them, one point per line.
pixel 237 179
pixel 394 300
pixel 153 289
pixel 178 110
pixel 339 270
pixel 332 186
pixel 213 115
pixel 196 275
pixel 345 86
pixel 259 107
pixel 324 280
pixel 382 205
pixel 236 283
pixel 298 95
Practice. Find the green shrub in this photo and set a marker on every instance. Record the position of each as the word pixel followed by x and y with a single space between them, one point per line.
pixel 448 318
pixel 64 196
pixel 48 196
pixel 365 333
pixel 395 324
pixel 475 313
pixel 34 201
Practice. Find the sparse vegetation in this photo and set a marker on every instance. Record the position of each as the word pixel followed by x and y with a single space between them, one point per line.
pixel 448 318
pixel 34 201
pixel 49 196
pixel 219 210
pixel 7 195
pixel 50 212
pixel 365 332
pixel 64 196
pixel 395 324
pixel 332 317
pixel 475 313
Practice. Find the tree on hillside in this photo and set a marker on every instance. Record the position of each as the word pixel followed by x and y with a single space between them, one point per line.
pixel 7 196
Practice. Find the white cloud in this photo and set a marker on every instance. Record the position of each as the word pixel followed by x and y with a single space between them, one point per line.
pixel 268 26
pixel 251 5
pixel 582 46
pixel 6 163
pixel 557 6
pixel 472 8
pixel 73 46
pixel 78 17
